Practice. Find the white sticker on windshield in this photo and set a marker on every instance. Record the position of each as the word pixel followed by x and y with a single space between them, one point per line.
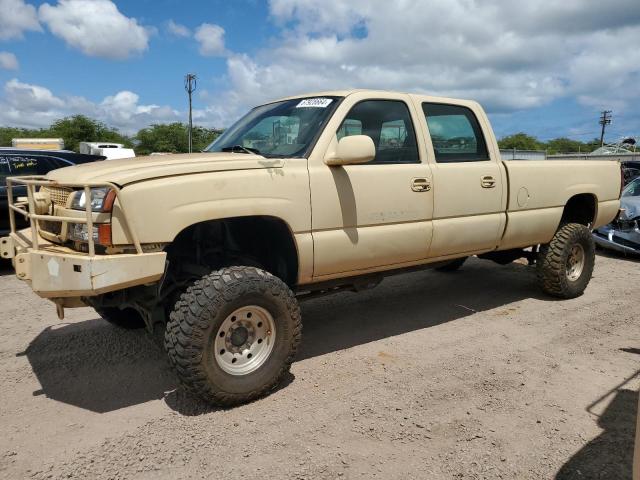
pixel 315 103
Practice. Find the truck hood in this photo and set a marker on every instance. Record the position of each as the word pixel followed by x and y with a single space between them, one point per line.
pixel 128 170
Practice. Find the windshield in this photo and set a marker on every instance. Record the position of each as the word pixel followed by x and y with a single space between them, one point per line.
pixel 633 189
pixel 281 129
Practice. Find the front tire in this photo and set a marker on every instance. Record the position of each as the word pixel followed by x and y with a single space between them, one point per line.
pixel 565 265
pixel 233 335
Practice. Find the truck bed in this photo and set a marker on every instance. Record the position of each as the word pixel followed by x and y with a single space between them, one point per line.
pixel 538 191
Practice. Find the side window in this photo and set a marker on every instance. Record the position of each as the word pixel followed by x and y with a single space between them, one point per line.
pixel 349 127
pixel 388 123
pixel 46 164
pixel 33 165
pixel 455 133
pixel 20 165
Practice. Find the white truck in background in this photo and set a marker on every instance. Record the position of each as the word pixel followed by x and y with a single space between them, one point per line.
pixel 107 149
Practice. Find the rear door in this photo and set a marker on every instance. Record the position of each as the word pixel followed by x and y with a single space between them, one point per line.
pixel 469 185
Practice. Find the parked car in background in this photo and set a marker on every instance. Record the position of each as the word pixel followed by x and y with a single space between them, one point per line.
pixel 623 234
pixel 15 161
pixel 630 170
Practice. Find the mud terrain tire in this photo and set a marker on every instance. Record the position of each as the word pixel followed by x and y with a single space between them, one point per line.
pixel 564 266
pixel 206 314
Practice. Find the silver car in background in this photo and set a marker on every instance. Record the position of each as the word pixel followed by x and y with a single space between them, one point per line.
pixel 623 234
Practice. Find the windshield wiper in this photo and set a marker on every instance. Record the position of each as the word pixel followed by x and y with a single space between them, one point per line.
pixel 240 148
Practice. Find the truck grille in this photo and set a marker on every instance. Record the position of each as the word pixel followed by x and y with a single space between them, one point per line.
pixel 59 195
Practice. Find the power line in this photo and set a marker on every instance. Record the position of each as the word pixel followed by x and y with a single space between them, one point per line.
pixel 605 119
pixel 190 81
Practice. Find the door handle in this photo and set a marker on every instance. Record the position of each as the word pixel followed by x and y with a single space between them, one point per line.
pixel 488 181
pixel 420 185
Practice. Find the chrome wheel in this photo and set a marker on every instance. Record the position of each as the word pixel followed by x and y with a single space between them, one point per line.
pixel 575 262
pixel 245 340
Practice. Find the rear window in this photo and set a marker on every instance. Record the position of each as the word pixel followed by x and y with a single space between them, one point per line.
pixel 455 133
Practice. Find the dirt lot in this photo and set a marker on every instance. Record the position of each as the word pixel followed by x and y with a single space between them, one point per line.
pixel 430 375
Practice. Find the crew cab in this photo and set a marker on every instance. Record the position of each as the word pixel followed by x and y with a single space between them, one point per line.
pixel 302 196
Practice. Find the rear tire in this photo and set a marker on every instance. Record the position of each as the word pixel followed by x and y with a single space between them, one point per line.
pixel 127 318
pixel 233 335
pixel 565 265
pixel 453 265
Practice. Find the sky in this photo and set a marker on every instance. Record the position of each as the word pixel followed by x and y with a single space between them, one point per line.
pixel 545 68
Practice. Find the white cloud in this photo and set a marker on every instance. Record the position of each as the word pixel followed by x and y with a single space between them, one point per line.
pixel 211 39
pixel 16 16
pixel 33 106
pixel 124 111
pixel 8 61
pixel 26 105
pixel 95 27
pixel 31 98
pixel 177 29
pixel 509 55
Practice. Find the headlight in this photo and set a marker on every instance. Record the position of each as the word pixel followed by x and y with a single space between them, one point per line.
pixel 101 199
pixel 101 233
pixel 80 232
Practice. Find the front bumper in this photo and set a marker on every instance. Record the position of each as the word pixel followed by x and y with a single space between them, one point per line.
pixel 58 272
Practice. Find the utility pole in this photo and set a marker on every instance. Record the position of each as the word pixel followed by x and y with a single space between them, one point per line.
pixel 190 87
pixel 605 119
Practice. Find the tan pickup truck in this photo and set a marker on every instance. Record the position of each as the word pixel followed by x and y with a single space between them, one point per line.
pixel 302 196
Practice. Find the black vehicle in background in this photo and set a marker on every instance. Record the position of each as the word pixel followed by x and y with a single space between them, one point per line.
pixel 16 162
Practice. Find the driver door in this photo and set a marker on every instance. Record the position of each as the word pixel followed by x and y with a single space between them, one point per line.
pixel 376 215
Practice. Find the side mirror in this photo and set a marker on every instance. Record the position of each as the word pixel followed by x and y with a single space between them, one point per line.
pixel 352 150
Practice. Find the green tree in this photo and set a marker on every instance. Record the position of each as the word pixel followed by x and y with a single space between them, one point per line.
pixel 172 138
pixel 78 128
pixel 9 133
pixel 564 145
pixel 202 137
pixel 592 145
pixel 520 141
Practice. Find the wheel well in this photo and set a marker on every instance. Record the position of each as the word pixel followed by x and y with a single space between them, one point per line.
pixel 580 209
pixel 261 241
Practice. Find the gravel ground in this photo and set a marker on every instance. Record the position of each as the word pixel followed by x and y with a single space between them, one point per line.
pixel 430 375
